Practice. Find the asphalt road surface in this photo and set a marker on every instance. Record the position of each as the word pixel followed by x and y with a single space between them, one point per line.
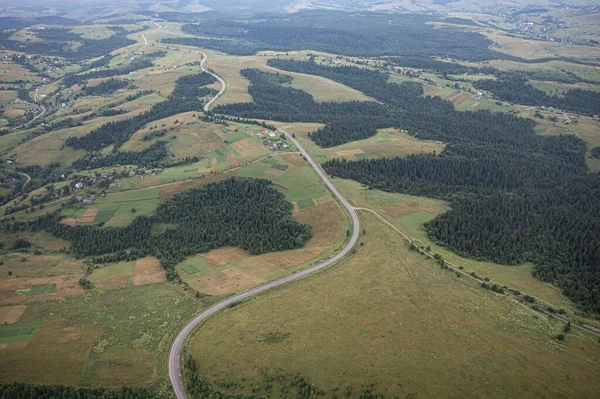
pixel 175 354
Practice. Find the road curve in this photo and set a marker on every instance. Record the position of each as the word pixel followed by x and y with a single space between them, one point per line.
pixel 223 84
pixel 175 353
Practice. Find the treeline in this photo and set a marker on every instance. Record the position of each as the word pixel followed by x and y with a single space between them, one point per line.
pixel 346 121
pixel 19 390
pixel 429 63
pixel 185 97
pixel 105 88
pixel 517 90
pixel 245 213
pixel 151 157
pixel 137 64
pixel 356 34
pixel 59 42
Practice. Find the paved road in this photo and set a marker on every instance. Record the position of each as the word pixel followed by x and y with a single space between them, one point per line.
pixel 223 84
pixel 175 354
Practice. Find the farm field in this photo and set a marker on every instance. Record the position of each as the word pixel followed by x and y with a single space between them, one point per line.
pixel 100 338
pixel 411 319
pixel 228 270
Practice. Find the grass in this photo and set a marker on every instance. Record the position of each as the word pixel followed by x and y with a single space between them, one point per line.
pixel 112 338
pixel 411 321
pixel 111 270
pixel 307 203
pixel 21 332
pixel 408 213
pixel 41 289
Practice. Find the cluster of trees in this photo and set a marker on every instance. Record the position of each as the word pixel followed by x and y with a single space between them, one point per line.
pixel 245 213
pixel 185 97
pixel 19 390
pixel 516 89
pixel 533 196
pixel 71 80
pixel 432 64
pixel 596 152
pixel 356 34
pixel 59 42
pixel 151 156
pixel 105 88
pixel 351 120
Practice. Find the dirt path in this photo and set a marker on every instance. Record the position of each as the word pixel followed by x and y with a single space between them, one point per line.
pixel 455 268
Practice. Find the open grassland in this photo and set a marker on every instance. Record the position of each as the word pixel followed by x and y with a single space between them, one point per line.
pixel 229 67
pixel 386 143
pixel 532 49
pixel 583 71
pixel 101 338
pixel 409 213
pixel 390 320
pixel 11 71
pixel 15 290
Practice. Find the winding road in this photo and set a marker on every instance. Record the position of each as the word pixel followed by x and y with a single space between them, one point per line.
pixel 175 374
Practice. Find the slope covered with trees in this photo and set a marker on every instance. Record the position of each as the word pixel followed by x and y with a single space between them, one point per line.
pixel 245 213
pixel 184 98
pixel 356 34
pixel 517 90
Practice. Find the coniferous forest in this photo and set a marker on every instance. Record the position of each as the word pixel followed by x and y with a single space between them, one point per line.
pixel 184 98
pixel 535 197
pixel 245 213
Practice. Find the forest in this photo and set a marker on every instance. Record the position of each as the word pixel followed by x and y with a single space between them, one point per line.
pixel 244 213
pixel 105 88
pixel 356 34
pixel 517 90
pixel 347 121
pixel 19 390
pixel 492 160
pixel 58 42
pixel 185 97
pixel 150 157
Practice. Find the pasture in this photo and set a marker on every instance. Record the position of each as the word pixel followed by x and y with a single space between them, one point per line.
pixel 388 320
pixel 409 213
pixel 101 338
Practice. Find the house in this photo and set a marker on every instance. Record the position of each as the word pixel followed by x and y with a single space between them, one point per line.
pixel 131 174
pixel 79 185
pixel 148 172
pixel 272 134
pixel 87 202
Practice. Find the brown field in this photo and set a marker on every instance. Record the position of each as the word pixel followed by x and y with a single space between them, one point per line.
pixel 289 259
pixel 294 159
pixel 11 314
pixel 88 217
pixel 148 271
pixel 325 218
pixel 65 286
pixel 114 283
pixel 246 149
pixel 59 348
pixel 222 256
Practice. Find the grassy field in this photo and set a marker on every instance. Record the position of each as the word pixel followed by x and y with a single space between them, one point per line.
pixel 101 338
pixel 386 143
pixel 389 320
pixel 409 213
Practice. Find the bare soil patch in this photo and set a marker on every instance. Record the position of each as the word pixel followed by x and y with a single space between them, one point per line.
pixel 65 286
pixel 222 256
pixel 11 314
